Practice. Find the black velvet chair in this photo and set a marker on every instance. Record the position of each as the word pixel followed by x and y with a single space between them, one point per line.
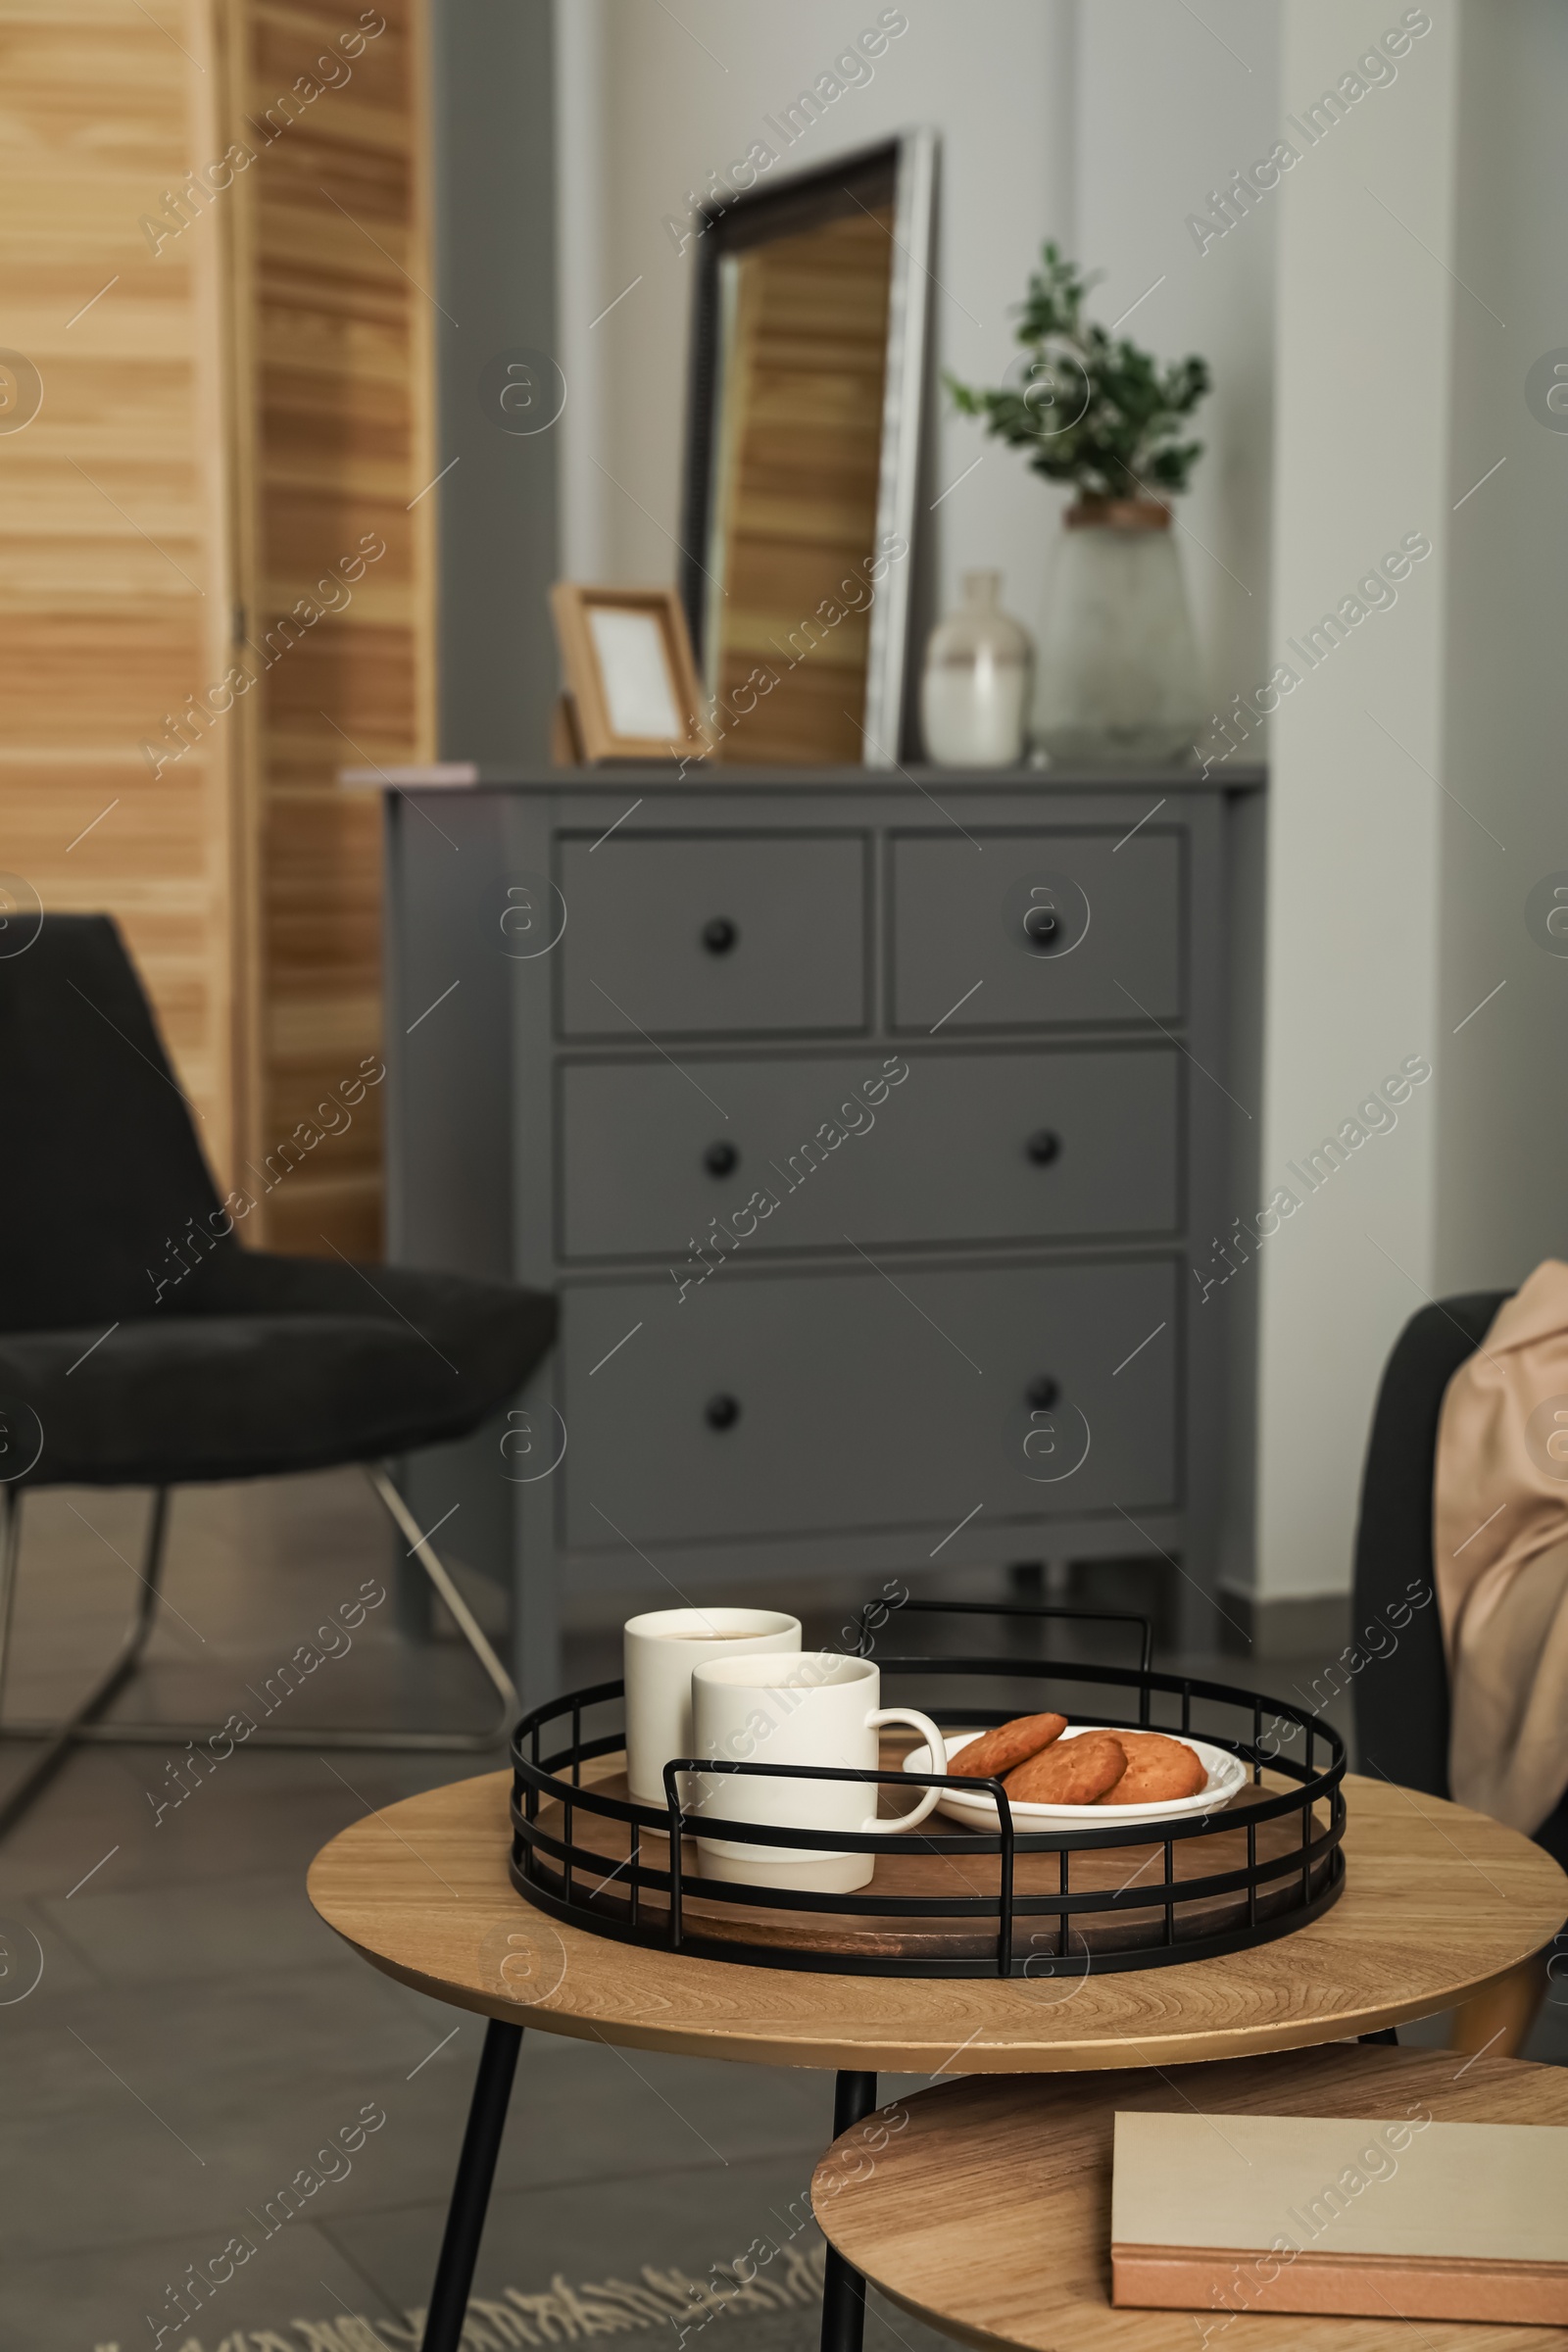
pixel 142 1344
pixel 1401 1698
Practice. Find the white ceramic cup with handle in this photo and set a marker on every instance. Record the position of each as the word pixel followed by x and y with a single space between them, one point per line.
pixel 818 1709
pixel 659 1650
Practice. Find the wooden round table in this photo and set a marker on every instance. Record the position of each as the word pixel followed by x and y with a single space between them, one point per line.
pixel 984 2207
pixel 1439 1903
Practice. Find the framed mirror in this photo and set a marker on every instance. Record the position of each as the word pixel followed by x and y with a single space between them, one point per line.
pixel 808 376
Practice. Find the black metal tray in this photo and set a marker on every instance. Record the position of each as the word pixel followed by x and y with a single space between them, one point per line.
pixel 952 1901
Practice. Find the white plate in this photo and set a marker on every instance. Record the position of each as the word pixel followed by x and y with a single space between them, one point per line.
pixel 1226 1774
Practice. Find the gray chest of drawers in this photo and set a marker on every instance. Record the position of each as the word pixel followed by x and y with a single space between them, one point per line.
pixel 864 1126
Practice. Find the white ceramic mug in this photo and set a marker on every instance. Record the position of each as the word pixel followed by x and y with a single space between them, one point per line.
pixel 659 1650
pixel 819 1708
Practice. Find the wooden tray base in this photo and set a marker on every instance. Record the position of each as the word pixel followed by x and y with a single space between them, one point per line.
pixel 907 1870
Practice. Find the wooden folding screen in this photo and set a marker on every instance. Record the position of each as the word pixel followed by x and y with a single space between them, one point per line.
pixel 218 580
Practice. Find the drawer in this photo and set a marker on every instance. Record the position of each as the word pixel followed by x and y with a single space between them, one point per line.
pixel 1104 942
pixel 862 1406
pixel 992 1147
pixel 692 933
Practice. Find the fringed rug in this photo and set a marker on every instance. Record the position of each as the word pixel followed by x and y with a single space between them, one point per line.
pixel 663 2301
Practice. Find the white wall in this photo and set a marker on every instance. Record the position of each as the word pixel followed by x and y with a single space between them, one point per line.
pixel 671 106
pixel 1416 792
pixel 1168 108
pixel 1098 125
pixel 1365 320
pixel 1502 1102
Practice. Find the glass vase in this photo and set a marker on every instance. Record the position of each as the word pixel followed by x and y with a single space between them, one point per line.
pixel 1119 673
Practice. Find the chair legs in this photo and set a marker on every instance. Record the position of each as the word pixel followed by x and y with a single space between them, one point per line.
pixel 10 1551
pixel 84 1723
pixel 436 1570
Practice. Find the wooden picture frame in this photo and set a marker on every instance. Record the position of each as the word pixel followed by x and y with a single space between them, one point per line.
pixel 629 671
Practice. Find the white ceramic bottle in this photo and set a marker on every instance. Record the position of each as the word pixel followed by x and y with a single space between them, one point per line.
pixel 974 693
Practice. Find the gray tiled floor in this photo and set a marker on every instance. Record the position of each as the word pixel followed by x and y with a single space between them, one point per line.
pixel 197 2035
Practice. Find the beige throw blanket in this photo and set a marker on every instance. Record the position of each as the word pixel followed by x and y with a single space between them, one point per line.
pixel 1500 1539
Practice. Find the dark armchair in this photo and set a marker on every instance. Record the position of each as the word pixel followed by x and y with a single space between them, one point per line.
pixel 1401 1698
pixel 142 1344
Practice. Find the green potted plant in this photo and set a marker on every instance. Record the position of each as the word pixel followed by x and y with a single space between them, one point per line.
pixel 1119 674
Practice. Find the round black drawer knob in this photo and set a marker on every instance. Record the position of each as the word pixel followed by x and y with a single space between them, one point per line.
pixel 720 936
pixel 1043 1393
pixel 721 1412
pixel 721 1160
pixel 1042 1147
pixel 1042 924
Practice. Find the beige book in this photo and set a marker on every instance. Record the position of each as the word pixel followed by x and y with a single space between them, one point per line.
pixel 1391 2218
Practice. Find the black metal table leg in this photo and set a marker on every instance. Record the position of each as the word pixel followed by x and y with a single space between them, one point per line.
pixel 842 2285
pixel 1388 2036
pixel 471 2190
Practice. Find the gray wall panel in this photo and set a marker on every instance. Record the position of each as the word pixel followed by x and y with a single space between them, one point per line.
pixel 492 68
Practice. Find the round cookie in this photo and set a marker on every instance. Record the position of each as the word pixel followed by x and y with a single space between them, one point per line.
pixel 1071 1772
pixel 1159 1769
pixel 995 1752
